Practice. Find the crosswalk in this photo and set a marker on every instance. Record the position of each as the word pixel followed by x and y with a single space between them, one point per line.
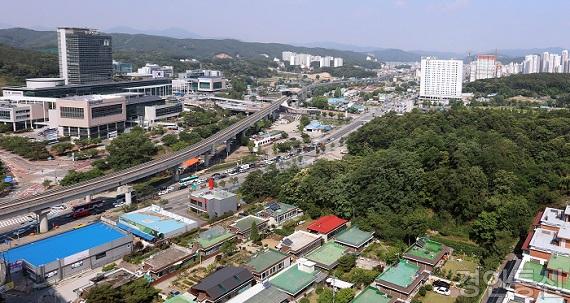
pixel 20 220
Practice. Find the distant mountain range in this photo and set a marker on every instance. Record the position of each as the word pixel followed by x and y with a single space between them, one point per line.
pixel 180 43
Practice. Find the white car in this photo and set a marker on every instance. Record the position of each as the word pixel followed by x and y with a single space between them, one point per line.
pixel 163 192
pixel 442 290
pixel 119 204
pixel 58 207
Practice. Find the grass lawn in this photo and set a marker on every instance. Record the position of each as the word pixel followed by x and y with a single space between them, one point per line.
pixel 432 297
pixel 380 251
pixel 460 263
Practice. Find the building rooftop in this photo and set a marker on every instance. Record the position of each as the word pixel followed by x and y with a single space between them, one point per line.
pixel 260 293
pixel 326 224
pixel 403 274
pixel 213 236
pixel 222 281
pixel 553 217
pixel 299 239
pixel 244 224
pixel 327 255
pixel 89 98
pixel 543 239
pixel 425 250
pixel 266 259
pixel 354 237
pixel 159 220
pixel 559 263
pixel 372 295
pixel 65 244
pixel 534 272
pixel 293 280
pixel 165 258
pixel 549 298
pixel 210 194
pixel 277 208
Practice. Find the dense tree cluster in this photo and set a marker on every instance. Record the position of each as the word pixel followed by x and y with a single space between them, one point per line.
pixel 138 291
pixel 130 149
pixel 204 123
pixel 17 64
pixel 73 176
pixel 554 86
pixel 467 172
pixel 24 147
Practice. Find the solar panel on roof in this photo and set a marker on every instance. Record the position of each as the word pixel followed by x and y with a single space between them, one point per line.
pixel 421 243
pixel 274 206
pixel 287 242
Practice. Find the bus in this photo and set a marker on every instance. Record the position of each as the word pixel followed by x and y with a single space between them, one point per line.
pixel 184 182
pixel 86 209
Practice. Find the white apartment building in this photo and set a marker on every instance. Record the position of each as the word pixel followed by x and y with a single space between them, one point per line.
pixel 484 67
pixel 441 80
pixel 286 56
pixel 325 61
pixel 531 64
pixel 153 71
pixel 565 62
pixel 338 62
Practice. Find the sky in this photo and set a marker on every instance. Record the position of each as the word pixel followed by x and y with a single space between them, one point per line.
pixel 436 25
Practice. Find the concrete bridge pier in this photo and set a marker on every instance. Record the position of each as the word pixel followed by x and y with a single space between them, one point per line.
pixel 128 192
pixel 43 220
pixel 88 198
pixel 228 147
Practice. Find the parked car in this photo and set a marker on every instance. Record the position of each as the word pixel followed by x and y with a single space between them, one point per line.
pixel 442 287
pixel 59 207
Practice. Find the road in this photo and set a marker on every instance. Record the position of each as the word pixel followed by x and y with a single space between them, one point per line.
pixel 114 180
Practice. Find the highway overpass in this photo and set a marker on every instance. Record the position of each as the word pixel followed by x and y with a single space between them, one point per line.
pixel 43 201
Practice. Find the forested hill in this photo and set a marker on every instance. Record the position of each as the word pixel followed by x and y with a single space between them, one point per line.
pixel 471 174
pixel 553 86
pixel 17 64
pixel 173 47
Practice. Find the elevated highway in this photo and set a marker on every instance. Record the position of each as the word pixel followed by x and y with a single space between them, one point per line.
pixel 40 202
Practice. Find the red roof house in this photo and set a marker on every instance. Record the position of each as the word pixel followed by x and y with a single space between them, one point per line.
pixel 327 225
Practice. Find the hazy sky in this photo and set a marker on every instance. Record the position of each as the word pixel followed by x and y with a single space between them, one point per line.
pixel 450 25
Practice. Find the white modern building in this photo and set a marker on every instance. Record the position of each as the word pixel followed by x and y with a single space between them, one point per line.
pixel 338 62
pixel 153 71
pixel 198 81
pixel 441 80
pixel 531 64
pixel 484 67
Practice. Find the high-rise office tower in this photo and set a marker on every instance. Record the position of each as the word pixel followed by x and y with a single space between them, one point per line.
pixel 85 55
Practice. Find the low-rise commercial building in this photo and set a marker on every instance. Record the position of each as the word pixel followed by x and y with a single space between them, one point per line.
pixel 198 81
pixel 69 253
pixel 214 202
pixel 154 223
pixel 299 243
pixel 316 126
pixel 21 116
pixel 156 113
pixel 242 227
pixel 222 285
pixel 265 139
pixel 56 88
pixel 279 213
pixel 94 116
pixel 267 263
